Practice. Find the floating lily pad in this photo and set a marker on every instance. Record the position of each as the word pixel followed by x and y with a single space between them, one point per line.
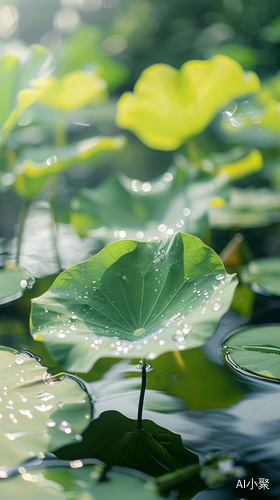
pixel 13 282
pixel 128 208
pixel 263 275
pixel 39 164
pixel 134 299
pixel 256 350
pixel 38 412
pixel 78 481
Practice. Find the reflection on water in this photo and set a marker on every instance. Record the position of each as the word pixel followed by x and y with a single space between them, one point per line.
pixel 212 407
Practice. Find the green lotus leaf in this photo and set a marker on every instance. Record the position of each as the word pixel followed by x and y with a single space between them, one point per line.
pixel 256 350
pixel 39 412
pixel 247 208
pixel 37 165
pixel 128 208
pixel 13 282
pixel 134 299
pixel 19 73
pixel 82 49
pixel 168 105
pixel 78 481
pixel 71 92
pixel 263 275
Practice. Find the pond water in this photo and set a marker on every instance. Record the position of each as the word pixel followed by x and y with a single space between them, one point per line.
pixel 199 395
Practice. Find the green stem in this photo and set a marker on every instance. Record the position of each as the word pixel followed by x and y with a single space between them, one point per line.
pixel 142 394
pixel 21 227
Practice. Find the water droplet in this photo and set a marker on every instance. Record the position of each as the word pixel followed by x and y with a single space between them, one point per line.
pixel 46 310
pixel 43 408
pixel 168 177
pixel 216 307
pixel 51 160
pixel 219 276
pixel 19 360
pixel 23 283
pixel 180 223
pixel 123 277
pixel 186 212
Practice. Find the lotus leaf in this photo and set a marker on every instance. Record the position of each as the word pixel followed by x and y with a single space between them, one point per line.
pixel 263 275
pixel 78 481
pixel 256 350
pixel 134 299
pixel 128 208
pixel 247 208
pixel 38 165
pixel 13 282
pixel 71 92
pixel 19 73
pixel 39 412
pixel 168 105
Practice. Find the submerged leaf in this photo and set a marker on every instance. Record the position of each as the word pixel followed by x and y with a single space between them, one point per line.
pixel 39 412
pixel 115 440
pixel 256 350
pixel 168 105
pixel 134 299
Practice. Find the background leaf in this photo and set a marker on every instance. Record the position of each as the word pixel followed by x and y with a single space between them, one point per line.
pixel 36 166
pixel 263 275
pixel 13 282
pixel 123 206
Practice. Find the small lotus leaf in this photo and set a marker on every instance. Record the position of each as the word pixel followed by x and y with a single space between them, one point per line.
pixel 39 412
pixel 256 350
pixel 134 299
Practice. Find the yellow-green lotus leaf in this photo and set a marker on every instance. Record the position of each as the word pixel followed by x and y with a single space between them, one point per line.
pixel 73 91
pixel 168 105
